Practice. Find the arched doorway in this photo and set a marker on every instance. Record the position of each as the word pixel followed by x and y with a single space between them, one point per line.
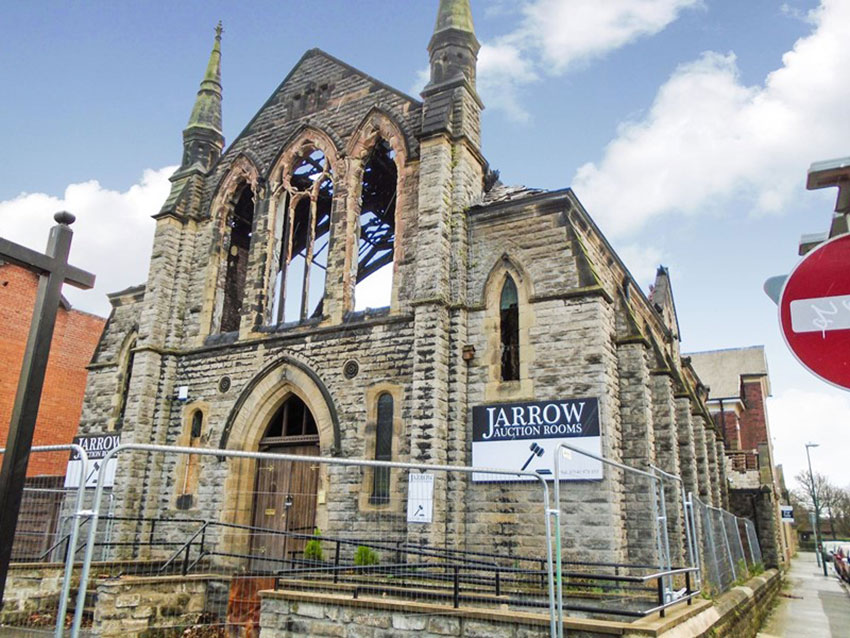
pixel 285 490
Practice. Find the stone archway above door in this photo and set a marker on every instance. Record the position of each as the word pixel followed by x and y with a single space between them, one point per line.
pixel 263 395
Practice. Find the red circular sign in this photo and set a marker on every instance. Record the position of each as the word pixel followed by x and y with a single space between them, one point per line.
pixel 814 311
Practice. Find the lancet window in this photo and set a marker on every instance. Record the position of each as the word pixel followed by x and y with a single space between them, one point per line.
pixel 509 330
pixel 304 222
pixel 383 449
pixel 240 222
pixel 377 228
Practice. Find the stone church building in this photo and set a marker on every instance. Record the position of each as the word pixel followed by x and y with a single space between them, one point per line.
pixel 348 278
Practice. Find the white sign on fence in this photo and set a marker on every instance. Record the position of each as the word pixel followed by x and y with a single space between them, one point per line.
pixel 524 436
pixel 96 446
pixel 787 513
pixel 420 498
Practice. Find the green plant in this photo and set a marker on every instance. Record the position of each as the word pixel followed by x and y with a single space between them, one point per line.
pixel 366 556
pixel 313 548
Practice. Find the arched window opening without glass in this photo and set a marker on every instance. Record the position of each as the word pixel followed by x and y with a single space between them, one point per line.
pixel 124 381
pixel 375 253
pixel 304 219
pixel 383 450
pixel 509 330
pixel 240 222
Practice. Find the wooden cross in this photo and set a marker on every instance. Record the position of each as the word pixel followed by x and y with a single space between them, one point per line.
pixel 53 270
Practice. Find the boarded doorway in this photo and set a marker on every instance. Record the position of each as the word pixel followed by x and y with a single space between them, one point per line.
pixel 285 491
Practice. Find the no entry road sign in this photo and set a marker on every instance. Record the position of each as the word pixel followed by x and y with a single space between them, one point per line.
pixel 814 311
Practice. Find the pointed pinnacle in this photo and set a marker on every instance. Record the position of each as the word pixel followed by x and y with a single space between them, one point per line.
pixel 454 14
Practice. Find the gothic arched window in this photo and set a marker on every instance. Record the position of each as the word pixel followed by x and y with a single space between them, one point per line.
pixel 305 238
pixel 240 222
pixel 377 228
pixel 125 384
pixel 509 330
pixel 383 449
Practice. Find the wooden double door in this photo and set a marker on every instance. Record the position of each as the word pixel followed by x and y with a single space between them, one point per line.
pixel 285 490
pixel 284 506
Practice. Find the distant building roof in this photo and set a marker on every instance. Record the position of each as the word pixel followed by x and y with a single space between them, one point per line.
pixel 721 370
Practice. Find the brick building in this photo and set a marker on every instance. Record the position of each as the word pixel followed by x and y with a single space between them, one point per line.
pixel 739 385
pixel 348 278
pixel 74 340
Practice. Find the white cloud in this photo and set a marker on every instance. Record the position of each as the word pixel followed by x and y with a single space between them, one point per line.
pixel 798 417
pixel 707 137
pixel 564 33
pixel 112 235
pixel 642 261
pixel 554 36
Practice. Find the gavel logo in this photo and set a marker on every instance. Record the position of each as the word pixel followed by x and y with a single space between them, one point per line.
pixel 536 450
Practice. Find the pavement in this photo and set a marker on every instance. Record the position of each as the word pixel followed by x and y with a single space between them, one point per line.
pixel 810 604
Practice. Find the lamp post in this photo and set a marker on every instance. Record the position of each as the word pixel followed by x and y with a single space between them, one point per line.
pixel 817 508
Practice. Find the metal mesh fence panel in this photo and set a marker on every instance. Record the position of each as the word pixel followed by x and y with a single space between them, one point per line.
pixel 395 545
pixel 728 546
pixel 613 550
pixel 736 548
pixel 40 574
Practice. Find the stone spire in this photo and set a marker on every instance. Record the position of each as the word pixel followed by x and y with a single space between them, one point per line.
pixel 453 47
pixel 454 14
pixel 202 138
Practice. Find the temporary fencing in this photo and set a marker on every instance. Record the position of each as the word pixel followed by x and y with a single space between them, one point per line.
pixel 188 557
pixel 643 580
pixel 729 546
pixel 46 534
pixel 310 525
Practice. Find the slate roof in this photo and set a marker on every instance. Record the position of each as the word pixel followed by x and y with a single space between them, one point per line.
pixel 721 370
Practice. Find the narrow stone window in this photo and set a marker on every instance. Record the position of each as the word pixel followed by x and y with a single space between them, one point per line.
pixel 305 236
pixel 509 330
pixel 383 450
pixel 125 385
pixel 240 223
pixel 374 284
pixel 191 467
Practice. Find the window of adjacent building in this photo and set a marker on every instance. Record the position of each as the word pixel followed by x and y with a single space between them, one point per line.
pixel 305 211
pixel 383 450
pixel 509 330
pixel 374 284
pixel 240 222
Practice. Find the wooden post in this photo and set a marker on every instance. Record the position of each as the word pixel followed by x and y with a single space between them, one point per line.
pixel 53 270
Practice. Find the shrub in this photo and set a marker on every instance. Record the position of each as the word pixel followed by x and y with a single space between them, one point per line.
pixel 313 548
pixel 366 556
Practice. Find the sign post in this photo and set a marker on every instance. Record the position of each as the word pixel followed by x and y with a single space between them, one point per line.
pixel 814 311
pixel 53 270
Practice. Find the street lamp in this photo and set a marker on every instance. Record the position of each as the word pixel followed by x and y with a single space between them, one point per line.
pixel 817 509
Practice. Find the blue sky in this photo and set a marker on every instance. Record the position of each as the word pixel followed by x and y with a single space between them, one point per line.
pixel 685 127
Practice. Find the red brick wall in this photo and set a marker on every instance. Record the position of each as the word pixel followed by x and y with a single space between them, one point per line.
pixel 753 423
pixel 74 340
pixel 727 422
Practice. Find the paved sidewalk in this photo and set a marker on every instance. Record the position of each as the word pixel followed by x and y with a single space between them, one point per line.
pixel 810 604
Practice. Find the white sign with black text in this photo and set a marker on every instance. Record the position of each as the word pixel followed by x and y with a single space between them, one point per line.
pixel 420 498
pixel 96 447
pixel 787 513
pixel 525 436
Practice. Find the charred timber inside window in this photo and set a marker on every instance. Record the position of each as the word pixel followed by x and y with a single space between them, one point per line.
pixel 377 229
pixel 383 450
pixel 509 328
pixel 293 418
pixel 240 222
pixel 306 211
